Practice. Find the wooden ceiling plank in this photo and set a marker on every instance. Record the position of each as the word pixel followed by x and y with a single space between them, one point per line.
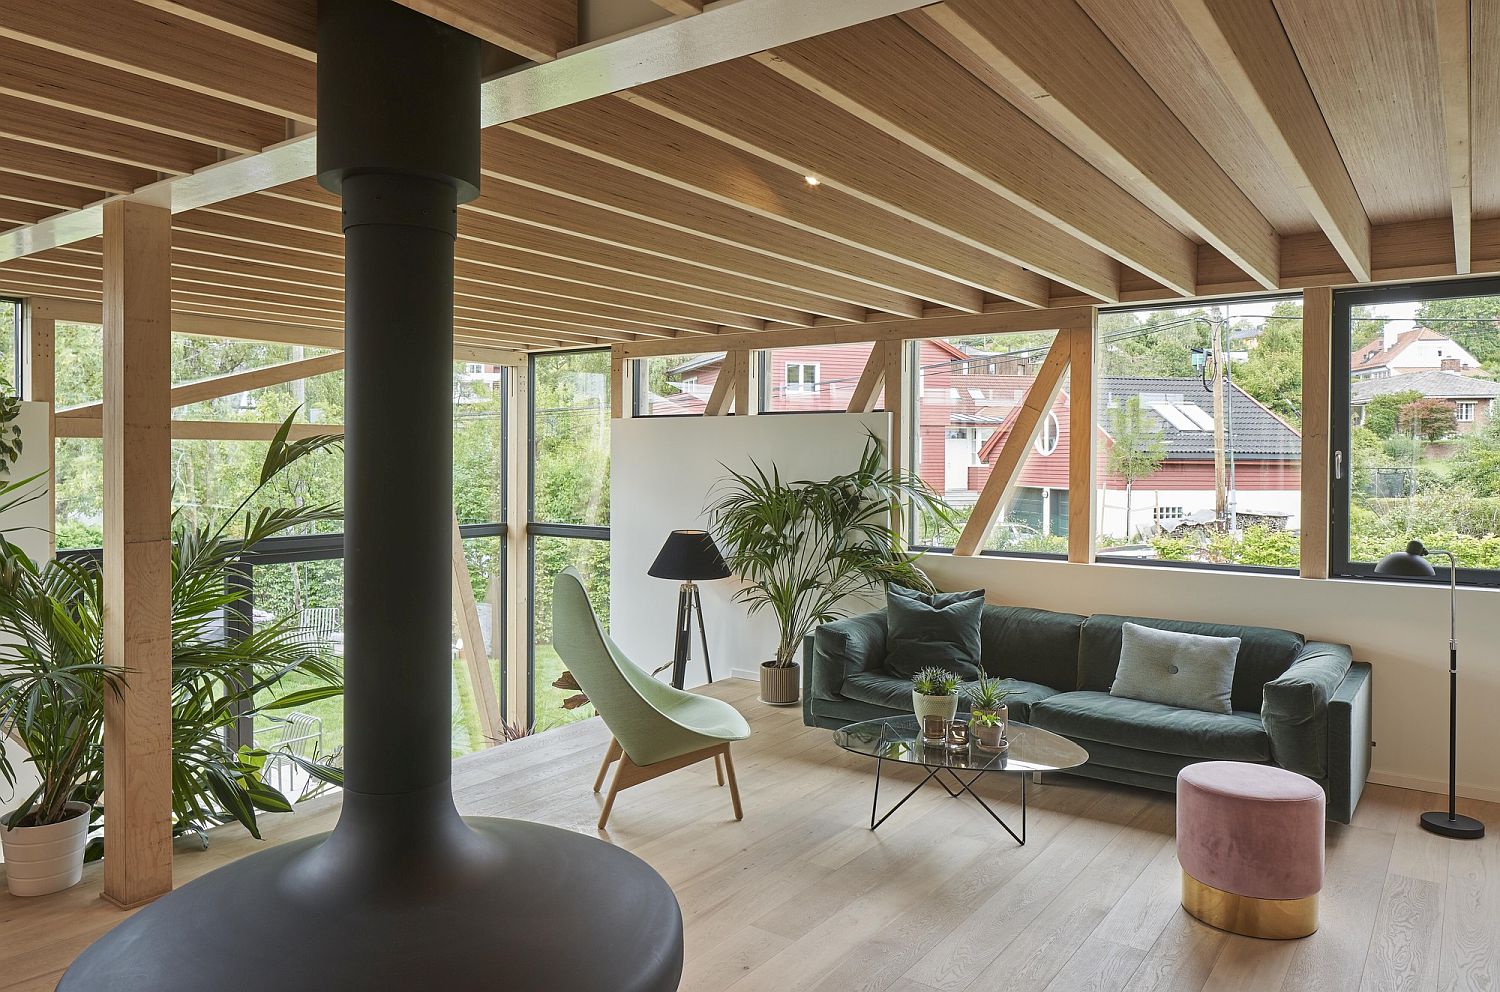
pixel 46 192
pixel 847 154
pixel 39 162
pixel 1455 75
pixel 21 212
pixel 682 8
pixel 1248 47
pixel 538 29
pixel 288 26
pixel 635 140
pixel 97 90
pixel 537 164
pixel 66 130
pixel 1058 57
pixel 892 78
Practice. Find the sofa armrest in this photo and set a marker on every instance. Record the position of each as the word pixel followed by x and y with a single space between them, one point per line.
pixel 1295 708
pixel 844 648
pixel 1349 741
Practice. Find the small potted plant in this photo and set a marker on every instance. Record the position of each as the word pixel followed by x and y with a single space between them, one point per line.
pixel 934 692
pixel 987 697
pixel 987 731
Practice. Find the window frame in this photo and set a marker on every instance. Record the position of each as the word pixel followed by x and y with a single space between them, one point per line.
pixel 802 384
pixel 1340 423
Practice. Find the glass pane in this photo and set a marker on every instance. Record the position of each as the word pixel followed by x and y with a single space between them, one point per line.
pixel 970 391
pixel 571 404
pixel 1424 443
pixel 552 555
pixel 817 379
pixel 676 385
pixel 79 351
pixel 485 557
pixel 80 492
pixel 10 316
pixel 478 442
pixel 1199 411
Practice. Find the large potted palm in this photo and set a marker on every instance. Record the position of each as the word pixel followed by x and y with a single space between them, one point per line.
pixel 802 548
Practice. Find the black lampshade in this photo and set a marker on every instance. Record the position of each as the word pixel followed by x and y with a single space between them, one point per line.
pixel 1412 563
pixel 689 555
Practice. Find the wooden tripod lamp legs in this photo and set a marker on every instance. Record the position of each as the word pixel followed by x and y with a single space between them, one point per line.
pixel 629 773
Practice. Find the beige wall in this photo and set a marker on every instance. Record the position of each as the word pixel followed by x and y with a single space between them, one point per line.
pixel 1400 629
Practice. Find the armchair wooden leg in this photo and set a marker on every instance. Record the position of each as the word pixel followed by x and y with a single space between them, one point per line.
pixel 609 799
pixel 719 768
pixel 613 752
pixel 734 789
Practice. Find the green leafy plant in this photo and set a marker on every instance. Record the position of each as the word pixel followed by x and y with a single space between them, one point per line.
pixel 54 613
pixel 803 547
pixel 987 694
pixel 10 431
pixel 986 718
pixel 936 682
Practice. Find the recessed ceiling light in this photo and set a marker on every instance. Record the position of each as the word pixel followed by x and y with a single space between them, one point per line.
pixel 812 180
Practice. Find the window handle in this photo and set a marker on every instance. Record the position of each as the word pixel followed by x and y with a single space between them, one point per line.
pixel 1338 465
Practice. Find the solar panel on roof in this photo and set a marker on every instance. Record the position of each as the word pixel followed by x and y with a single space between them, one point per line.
pixel 1197 415
pixel 1172 415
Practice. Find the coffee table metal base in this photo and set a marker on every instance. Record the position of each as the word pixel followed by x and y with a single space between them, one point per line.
pixel 963 787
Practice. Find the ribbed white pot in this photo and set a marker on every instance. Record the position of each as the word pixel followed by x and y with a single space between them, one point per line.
pixel 925 706
pixel 45 859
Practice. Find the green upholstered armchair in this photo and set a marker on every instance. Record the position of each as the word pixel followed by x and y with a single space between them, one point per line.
pixel 656 728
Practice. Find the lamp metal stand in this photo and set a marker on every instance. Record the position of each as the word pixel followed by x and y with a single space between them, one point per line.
pixel 689 603
pixel 1452 823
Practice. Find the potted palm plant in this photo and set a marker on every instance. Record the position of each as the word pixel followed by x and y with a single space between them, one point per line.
pixel 934 692
pixel 802 547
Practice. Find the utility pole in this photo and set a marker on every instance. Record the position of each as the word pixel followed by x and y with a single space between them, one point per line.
pixel 1217 363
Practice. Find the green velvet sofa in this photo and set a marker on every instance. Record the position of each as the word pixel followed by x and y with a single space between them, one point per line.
pixel 1303 705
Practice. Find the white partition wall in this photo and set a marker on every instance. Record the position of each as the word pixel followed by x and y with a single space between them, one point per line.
pixel 662 470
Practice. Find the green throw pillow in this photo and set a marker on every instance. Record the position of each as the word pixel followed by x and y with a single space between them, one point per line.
pixel 939 629
pixel 1193 671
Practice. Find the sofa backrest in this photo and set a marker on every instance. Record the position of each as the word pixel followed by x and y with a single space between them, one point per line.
pixel 1033 645
pixel 1265 653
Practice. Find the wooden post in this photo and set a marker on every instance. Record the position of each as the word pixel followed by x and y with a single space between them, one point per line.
pixel 137 551
pixel 746 382
pixel 41 387
pixel 621 385
pixel 471 644
pixel 517 664
pixel 1317 375
pixel 1082 447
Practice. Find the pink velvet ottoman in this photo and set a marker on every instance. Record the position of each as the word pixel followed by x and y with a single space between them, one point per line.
pixel 1250 844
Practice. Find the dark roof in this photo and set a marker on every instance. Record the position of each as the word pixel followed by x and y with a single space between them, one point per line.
pixel 697 362
pixel 1433 385
pixel 1254 432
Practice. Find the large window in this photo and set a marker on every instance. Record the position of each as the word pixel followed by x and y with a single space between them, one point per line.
pixel 1415 434
pixel 813 379
pixel 1199 413
pixel 570 411
pixel 676 385
pixel 969 393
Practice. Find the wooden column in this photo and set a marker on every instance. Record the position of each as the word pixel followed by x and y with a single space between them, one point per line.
pixel 1317 380
pixel 41 387
pixel 896 352
pixel 746 382
pixel 517 697
pixel 137 551
pixel 1082 446
pixel 621 385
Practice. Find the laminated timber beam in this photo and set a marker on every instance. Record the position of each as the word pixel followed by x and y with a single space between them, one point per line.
pixel 1455 75
pixel 541 30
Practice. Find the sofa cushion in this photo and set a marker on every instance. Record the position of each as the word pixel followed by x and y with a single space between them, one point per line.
pixel 1031 645
pixel 1167 666
pixel 932 630
pixel 889 692
pixel 1155 727
pixel 1265 653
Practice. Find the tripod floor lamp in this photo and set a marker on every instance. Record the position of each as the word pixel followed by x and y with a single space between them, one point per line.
pixel 690 556
pixel 1413 563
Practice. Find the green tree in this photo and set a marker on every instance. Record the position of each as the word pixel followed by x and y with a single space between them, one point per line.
pixel 1137 450
pixel 1272 371
pixel 1429 419
pixel 1473 322
pixel 1382 413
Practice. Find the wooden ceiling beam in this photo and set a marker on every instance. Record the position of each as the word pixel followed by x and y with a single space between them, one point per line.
pixel 1060 60
pixel 682 8
pixel 1249 49
pixel 97 90
pixel 288 26
pixel 38 162
pixel 541 30
pixel 46 192
pixel 69 131
pixel 540 165
pixel 889 76
pixel 21 212
pixel 638 141
pixel 1455 77
pixel 847 154
pixel 129 37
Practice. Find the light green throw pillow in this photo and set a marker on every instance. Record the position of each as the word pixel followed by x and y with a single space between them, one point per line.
pixel 1193 671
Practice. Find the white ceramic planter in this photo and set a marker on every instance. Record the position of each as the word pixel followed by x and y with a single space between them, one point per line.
pixel 41 860
pixel 925 706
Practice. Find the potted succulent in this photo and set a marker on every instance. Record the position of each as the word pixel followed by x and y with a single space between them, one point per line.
pixel 987 697
pixel 802 548
pixel 987 731
pixel 934 692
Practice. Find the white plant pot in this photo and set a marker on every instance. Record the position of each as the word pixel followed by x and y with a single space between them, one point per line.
pixel 925 706
pixel 45 859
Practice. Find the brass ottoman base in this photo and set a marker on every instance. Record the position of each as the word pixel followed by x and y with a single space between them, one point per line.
pixel 1273 919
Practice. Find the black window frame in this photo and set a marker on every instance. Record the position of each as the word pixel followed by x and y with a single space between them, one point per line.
pixel 1341 423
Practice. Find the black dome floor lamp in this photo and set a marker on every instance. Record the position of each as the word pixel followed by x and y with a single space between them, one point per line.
pixel 404 893
pixel 690 556
pixel 1413 563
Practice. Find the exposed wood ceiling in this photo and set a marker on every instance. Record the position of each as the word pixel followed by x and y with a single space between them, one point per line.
pixel 967 157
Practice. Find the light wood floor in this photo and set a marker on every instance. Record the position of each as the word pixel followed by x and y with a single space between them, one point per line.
pixel 802 896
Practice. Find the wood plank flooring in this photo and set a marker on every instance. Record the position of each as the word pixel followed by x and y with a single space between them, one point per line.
pixel 801 895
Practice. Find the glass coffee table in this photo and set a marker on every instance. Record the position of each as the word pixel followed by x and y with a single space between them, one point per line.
pixel 898 738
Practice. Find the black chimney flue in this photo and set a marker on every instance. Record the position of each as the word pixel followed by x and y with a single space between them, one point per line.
pixel 404 893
